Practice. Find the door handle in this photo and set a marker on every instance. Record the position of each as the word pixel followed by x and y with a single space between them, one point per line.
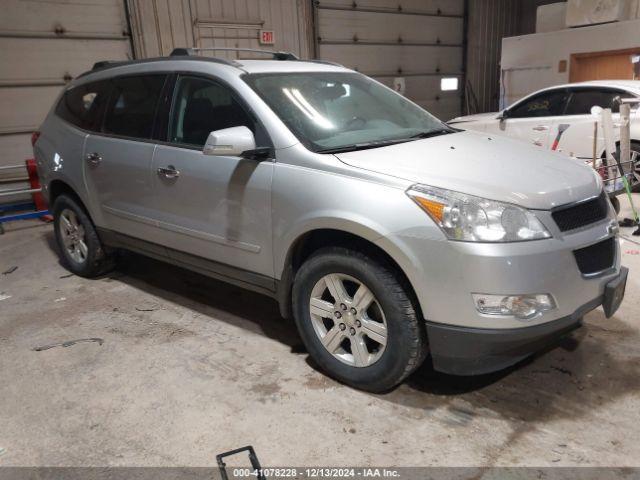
pixel 541 128
pixel 169 172
pixel 94 158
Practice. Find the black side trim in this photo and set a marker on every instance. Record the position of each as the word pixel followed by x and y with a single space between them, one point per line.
pixel 476 351
pixel 220 271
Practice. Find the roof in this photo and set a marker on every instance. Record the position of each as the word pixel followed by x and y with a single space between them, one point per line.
pixel 275 66
pixel 281 62
pixel 623 84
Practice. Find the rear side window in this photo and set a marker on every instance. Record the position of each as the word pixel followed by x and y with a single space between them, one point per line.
pixel 581 101
pixel 132 105
pixel 81 105
pixel 545 104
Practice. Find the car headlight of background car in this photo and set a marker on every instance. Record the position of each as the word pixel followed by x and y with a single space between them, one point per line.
pixel 474 219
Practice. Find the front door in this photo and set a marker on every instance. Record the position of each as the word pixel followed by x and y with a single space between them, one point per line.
pixel 531 119
pixel 214 207
pixel 117 160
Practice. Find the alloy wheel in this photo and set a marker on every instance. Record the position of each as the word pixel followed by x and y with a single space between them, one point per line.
pixel 348 320
pixel 73 236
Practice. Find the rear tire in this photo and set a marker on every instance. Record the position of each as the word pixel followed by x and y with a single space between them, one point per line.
pixel 374 336
pixel 79 244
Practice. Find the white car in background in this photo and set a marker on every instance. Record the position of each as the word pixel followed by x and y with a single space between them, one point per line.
pixel 559 118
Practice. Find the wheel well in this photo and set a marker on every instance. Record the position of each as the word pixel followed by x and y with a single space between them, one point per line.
pixel 57 188
pixel 633 140
pixel 312 241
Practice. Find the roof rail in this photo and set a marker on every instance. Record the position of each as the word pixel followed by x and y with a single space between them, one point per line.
pixel 107 63
pixel 177 52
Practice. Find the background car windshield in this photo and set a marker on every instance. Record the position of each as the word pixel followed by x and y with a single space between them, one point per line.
pixel 333 110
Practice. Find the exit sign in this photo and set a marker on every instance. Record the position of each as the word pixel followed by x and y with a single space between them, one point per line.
pixel 267 37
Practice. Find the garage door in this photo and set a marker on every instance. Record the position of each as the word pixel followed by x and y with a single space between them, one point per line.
pixel 412 44
pixel 43 44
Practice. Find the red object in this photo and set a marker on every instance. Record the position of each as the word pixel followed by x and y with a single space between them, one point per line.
pixel 561 129
pixel 34 138
pixel 267 37
pixel 34 182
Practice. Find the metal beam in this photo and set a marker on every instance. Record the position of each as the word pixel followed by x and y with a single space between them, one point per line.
pixel 393 44
pixel 68 35
pixel 411 74
pixel 397 11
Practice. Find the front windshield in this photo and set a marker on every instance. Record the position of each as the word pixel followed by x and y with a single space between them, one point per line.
pixel 329 111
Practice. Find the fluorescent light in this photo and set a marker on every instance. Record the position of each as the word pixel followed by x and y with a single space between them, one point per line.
pixel 305 107
pixel 449 83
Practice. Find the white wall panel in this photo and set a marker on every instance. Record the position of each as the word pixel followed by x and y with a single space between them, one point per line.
pixel 531 62
pixel 344 25
pixel 15 149
pixel 161 25
pixel 38 60
pixel 80 17
pixel 25 107
pixel 419 40
pixel 444 7
pixel 396 60
pixel 43 44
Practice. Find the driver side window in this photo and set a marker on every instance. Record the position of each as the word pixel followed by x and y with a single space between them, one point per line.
pixel 201 106
pixel 545 104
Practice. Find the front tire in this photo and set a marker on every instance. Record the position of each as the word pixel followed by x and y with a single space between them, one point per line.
pixel 357 319
pixel 616 204
pixel 635 147
pixel 79 244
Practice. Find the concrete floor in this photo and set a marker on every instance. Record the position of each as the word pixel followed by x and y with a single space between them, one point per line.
pixel 191 367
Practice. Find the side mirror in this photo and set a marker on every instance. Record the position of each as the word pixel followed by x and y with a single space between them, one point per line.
pixel 229 142
pixel 503 115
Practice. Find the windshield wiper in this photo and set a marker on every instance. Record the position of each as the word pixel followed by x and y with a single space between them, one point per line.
pixel 433 133
pixel 385 143
pixel 362 146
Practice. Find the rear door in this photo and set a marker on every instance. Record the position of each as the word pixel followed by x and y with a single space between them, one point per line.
pixel 531 119
pixel 576 127
pixel 214 207
pixel 117 158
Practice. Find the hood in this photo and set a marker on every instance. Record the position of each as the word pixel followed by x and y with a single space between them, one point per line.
pixel 475 118
pixel 496 168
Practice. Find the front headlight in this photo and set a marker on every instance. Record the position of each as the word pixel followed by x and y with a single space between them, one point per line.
pixel 475 219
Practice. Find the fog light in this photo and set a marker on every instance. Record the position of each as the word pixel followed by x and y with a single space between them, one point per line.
pixel 519 306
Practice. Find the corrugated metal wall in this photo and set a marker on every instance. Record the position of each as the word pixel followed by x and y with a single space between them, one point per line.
pixel 159 26
pixel 488 22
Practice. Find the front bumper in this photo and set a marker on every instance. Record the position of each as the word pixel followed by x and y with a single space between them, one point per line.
pixel 444 274
pixel 476 351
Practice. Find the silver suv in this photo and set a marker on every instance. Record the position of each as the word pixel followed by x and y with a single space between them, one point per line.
pixel 385 234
